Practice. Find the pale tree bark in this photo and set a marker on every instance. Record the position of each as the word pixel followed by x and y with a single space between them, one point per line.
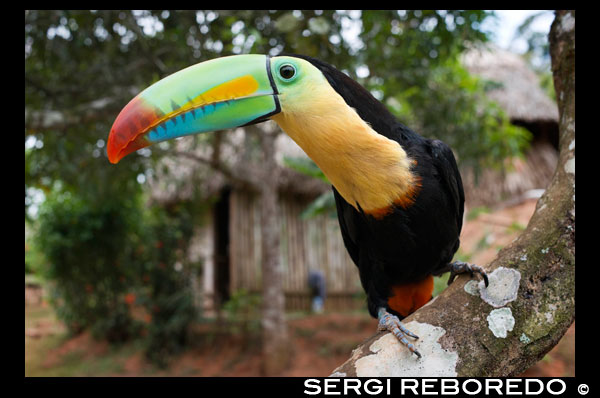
pixel 500 331
pixel 275 339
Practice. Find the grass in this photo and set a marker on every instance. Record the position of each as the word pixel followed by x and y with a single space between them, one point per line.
pixel 440 283
pixel 74 363
pixel 476 211
pixel 45 355
pixel 516 226
pixel 461 255
pixel 485 241
pixel 34 314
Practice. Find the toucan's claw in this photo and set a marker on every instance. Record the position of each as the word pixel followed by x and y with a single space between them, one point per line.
pixel 392 324
pixel 460 267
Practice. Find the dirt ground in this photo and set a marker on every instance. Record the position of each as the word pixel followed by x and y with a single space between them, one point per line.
pixel 320 343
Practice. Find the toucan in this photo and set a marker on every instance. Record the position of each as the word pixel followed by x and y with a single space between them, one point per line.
pixel 399 195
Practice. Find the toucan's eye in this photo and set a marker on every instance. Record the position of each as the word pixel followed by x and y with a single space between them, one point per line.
pixel 287 71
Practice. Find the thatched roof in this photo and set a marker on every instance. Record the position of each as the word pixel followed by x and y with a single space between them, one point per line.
pixel 523 175
pixel 518 92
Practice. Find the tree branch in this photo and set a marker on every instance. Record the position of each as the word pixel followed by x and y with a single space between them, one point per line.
pixel 502 330
pixel 216 165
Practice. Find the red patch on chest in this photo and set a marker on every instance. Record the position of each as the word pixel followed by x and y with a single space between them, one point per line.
pixel 408 298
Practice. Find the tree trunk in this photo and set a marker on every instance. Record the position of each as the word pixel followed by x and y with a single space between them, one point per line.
pixel 275 339
pixel 502 330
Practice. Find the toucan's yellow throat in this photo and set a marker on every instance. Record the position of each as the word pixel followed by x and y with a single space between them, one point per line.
pixel 366 168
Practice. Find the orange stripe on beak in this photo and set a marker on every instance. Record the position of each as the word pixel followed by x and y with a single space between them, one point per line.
pixel 236 88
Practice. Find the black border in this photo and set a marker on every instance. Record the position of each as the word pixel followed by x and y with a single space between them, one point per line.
pixel 264 118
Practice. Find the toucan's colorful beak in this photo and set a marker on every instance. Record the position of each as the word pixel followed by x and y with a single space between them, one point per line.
pixel 214 95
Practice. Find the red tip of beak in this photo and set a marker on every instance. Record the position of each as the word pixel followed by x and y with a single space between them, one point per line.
pixel 129 129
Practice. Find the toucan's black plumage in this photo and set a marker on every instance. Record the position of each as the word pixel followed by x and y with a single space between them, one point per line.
pixel 410 243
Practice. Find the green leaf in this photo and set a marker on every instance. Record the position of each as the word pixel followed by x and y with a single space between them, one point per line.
pixel 323 204
pixel 305 166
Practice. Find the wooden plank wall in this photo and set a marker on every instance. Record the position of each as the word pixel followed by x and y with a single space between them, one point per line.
pixel 313 244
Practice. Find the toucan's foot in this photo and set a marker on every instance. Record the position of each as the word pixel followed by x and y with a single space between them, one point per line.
pixel 459 267
pixel 392 324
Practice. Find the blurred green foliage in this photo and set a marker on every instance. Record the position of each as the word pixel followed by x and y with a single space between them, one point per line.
pixel 167 274
pixel 324 203
pixel 243 312
pixel 476 211
pixel 304 166
pixel 109 260
pixel 91 258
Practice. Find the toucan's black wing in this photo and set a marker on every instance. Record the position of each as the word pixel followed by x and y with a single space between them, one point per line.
pixel 447 172
pixel 449 184
pixel 348 227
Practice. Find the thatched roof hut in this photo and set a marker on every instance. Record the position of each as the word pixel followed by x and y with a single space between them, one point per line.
pixel 516 88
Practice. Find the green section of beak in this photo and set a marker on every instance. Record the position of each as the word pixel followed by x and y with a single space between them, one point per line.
pixel 214 95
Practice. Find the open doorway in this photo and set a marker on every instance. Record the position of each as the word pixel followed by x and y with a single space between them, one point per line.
pixel 221 226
